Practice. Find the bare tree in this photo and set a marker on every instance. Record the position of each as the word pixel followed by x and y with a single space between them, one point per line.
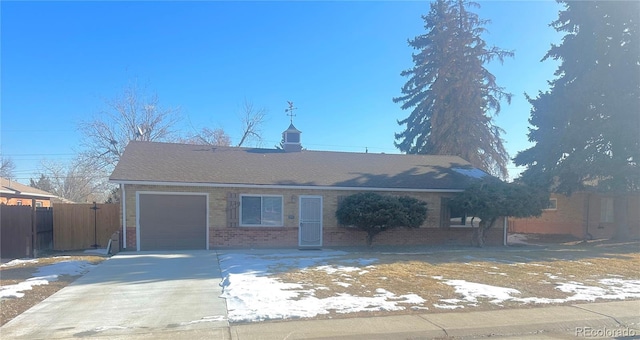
pixel 76 181
pixel 7 168
pixel 209 136
pixel 251 120
pixel 133 115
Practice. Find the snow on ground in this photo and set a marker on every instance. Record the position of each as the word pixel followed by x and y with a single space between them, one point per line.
pixel 517 239
pixel 252 295
pixel 614 288
pixel 19 262
pixel 43 276
pixel 253 292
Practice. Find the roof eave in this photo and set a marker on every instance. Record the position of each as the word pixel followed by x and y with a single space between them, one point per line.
pixel 282 186
pixel 23 193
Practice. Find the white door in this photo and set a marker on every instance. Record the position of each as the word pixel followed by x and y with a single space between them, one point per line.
pixel 310 232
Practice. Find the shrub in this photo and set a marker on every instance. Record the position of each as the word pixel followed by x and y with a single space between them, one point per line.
pixel 375 213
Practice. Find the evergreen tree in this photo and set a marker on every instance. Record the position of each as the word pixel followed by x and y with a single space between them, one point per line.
pixel 374 213
pixel 587 126
pixel 452 95
pixel 490 199
pixel 43 183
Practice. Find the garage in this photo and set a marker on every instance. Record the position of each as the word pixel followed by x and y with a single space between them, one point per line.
pixel 172 221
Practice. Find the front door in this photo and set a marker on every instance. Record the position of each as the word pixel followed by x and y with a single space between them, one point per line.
pixel 310 232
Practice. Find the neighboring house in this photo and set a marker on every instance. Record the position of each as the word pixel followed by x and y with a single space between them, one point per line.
pixel 586 215
pixel 178 196
pixel 14 193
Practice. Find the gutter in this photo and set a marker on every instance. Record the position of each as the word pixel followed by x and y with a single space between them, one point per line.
pixel 280 186
pixel 505 223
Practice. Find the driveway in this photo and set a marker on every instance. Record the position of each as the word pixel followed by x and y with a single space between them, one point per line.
pixel 134 296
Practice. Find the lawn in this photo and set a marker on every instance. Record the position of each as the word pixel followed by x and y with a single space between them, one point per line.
pixel 291 284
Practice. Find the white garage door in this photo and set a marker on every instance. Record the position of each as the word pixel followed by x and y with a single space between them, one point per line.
pixel 172 222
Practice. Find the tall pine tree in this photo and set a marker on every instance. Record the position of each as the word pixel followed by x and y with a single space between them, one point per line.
pixel 452 95
pixel 586 128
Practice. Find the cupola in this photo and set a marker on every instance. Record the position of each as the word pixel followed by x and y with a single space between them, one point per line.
pixel 291 136
pixel 291 139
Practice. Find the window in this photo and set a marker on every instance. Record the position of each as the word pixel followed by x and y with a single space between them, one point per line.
pixel 261 210
pixel 553 204
pixel 19 202
pixel 38 204
pixel 456 218
pixel 293 137
pixel 606 210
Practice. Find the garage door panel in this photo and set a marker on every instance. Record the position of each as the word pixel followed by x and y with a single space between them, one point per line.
pixel 169 222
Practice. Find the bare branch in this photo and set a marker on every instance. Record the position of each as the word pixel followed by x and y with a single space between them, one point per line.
pixel 208 136
pixel 7 168
pixel 133 115
pixel 251 120
pixel 76 181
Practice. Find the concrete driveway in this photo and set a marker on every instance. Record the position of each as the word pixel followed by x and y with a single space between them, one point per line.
pixel 144 295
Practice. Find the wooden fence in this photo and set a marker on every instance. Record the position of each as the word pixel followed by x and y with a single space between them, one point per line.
pixel 44 228
pixel 16 230
pixel 74 225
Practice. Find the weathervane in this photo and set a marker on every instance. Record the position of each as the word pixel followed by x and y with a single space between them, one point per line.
pixel 290 110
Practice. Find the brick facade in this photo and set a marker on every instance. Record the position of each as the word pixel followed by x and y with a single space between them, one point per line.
pixel 25 200
pixel 221 235
pixel 580 215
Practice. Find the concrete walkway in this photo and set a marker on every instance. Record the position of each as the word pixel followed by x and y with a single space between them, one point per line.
pixel 619 320
pixel 146 295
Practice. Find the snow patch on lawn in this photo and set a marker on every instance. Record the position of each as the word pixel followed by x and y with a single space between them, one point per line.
pixel 470 292
pixel 517 239
pixel 19 262
pixel 253 295
pixel 44 275
pixel 254 291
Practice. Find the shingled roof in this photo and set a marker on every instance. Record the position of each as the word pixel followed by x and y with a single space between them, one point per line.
pixel 8 186
pixel 184 164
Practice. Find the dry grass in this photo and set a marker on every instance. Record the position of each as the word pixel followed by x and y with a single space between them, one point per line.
pixel 525 269
pixel 12 307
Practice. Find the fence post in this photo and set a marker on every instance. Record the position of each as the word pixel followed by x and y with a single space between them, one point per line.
pixel 34 229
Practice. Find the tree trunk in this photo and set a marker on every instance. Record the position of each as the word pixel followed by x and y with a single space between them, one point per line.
pixel 478 237
pixel 620 217
pixel 370 236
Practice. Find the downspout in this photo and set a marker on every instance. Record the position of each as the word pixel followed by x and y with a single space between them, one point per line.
pixel 586 227
pixel 504 230
pixel 123 198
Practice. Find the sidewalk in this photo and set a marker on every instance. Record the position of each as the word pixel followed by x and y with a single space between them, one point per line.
pixel 603 320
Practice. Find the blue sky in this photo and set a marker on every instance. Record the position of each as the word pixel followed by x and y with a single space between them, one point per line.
pixel 339 62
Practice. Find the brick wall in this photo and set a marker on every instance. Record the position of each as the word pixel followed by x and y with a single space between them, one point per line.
pixel 221 235
pixel 566 219
pixel 578 215
pixel 26 201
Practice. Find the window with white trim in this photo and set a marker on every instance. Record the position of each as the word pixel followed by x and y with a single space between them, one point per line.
pixel 261 211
